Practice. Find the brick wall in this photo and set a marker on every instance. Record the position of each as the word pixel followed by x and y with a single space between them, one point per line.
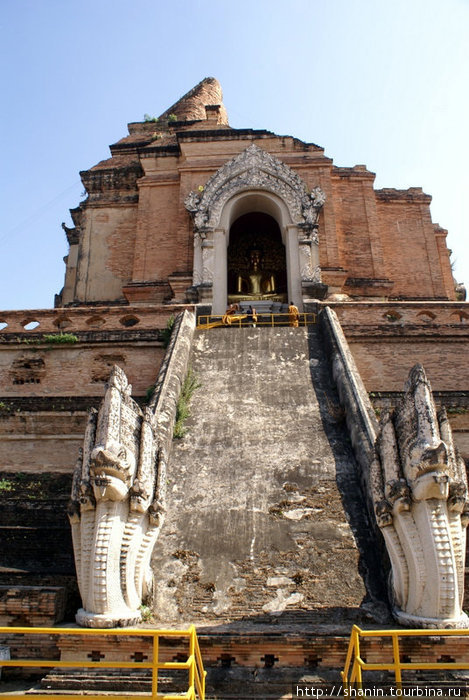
pixel 385 364
pixel 108 243
pixel 387 339
pixel 45 441
pixel 80 369
pixel 92 319
pixel 136 229
pixel 34 606
pixel 410 246
pixel 225 649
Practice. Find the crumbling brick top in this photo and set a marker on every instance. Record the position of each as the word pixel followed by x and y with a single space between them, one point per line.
pixel 389 194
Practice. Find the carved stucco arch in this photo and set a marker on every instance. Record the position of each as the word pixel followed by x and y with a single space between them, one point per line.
pixel 254 173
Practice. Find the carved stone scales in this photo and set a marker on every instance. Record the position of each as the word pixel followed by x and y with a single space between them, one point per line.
pixel 115 509
pixel 419 489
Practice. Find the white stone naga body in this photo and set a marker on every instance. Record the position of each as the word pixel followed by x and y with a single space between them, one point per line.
pixel 116 509
pixel 419 489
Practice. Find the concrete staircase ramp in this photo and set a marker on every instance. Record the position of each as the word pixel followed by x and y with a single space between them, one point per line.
pixel 264 509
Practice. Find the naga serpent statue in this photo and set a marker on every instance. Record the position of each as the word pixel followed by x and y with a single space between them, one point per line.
pixel 118 493
pixel 116 508
pixel 419 490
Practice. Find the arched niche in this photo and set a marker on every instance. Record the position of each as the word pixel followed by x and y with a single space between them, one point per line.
pixel 256 261
pixel 254 181
pixel 250 203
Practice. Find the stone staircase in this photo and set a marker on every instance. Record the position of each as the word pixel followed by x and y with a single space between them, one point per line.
pixel 266 542
pixel 265 521
pixel 226 684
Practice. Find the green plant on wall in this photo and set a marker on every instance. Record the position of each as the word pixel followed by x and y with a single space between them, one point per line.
pixel 5 485
pixel 146 613
pixel 60 338
pixel 190 384
pixel 165 334
pixel 149 393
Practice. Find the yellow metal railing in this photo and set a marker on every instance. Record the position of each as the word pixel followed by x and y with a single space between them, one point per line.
pixel 243 320
pixel 193 664
pixel 355 664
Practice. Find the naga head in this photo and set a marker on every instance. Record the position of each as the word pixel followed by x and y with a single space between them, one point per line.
pixel 110 472
pixel 424 455
pixel 419 489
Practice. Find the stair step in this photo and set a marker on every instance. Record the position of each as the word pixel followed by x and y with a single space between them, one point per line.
pixel 230 683
pixel 138 681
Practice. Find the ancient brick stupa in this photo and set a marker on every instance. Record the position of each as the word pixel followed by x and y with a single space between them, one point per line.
pixel 281 478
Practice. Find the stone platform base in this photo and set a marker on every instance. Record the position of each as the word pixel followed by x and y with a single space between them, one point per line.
pixel 240 664
pixel 126 619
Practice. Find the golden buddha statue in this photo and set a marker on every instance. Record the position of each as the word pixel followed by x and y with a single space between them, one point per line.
pixel 255 284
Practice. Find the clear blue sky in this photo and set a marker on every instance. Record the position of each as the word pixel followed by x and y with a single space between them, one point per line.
pixel 372 81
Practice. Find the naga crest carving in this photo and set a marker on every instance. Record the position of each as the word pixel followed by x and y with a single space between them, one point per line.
pixel 419 489
pixel 116 509
pixel 255 169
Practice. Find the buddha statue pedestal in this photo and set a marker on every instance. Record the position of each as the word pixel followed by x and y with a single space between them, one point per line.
pixel 264 306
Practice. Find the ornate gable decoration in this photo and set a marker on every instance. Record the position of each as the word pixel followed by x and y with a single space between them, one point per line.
pixel 254 169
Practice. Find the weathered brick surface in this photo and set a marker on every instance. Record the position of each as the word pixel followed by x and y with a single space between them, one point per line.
pixel 226 653
pixel 35 537
pixel 159 253
pixel 46 441
pixel 384 365
pixel 357 224
pixel 34 606
pixel 79 369
pixel 423 317
pixel 387 339
pixel 415 260
pixel 134 229
pixel 92 319
pixel 191 105
pixel 291 647
pixel 31 647
pixel 107 252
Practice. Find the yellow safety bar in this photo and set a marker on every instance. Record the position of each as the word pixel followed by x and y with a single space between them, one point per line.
pixel 352 675
pixel 194 664
pixel 243 320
